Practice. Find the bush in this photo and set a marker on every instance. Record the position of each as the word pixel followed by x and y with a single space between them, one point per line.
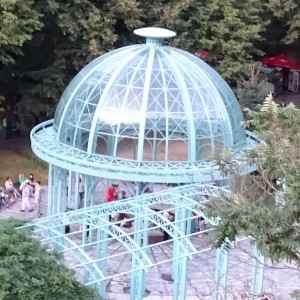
pixel 30 272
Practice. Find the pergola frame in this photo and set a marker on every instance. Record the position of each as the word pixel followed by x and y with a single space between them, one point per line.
pixel 188 203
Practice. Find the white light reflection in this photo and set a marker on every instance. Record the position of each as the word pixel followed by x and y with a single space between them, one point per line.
pixel 122 116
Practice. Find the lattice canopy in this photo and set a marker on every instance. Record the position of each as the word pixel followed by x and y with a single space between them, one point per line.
pixel 150 102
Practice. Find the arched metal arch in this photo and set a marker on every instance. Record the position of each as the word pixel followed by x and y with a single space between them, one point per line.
pixel 123 237
pixel 111 81
pixel 81 253
pixel 166 225
pixel 188 191
pixel 110 228
pixel 187 106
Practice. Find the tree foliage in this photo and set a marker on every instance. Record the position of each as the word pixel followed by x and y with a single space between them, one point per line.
pixel 227 29
pixel 287 12
pixel 253 88
pixel 265 205
pixel 57 38
pixel 29 272
pixel 18 21
pixel 74 32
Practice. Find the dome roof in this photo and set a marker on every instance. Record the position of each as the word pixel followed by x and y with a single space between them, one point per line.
pixel 150 102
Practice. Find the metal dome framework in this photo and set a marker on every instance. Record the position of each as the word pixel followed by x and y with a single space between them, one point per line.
pixel 176 115
pixel 154 97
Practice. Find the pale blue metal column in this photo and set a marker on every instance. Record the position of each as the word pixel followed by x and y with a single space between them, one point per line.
pixel 110 145
pixel 62 204
pixel 137 280
pixel 101 252
pixel 58 190
pixel 154 146
pixel 76 189
pixel 58 194
pixel 73 196
pixel 180 259
pixel 87 234
pixel 89 194
pixel 258 261
pixel 221 272
pixel 50 190
pixel 70 198
pixel 137 284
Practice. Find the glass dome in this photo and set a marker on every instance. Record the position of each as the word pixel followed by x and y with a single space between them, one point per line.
pixel 150 102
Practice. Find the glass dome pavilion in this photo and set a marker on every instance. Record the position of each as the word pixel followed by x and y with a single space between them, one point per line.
pixel 143 114
pixel 154 112
pixel 155 98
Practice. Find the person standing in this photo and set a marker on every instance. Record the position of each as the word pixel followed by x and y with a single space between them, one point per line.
pixel 21 180
pixel 37 197
pixel 81 192
pixel 27 193
pixel 10 190
pixel 116 191
pixel 31 178
pixel 3 198
pixel 111 193
pixel 9 186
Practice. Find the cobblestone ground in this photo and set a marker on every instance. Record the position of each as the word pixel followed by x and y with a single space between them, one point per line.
pixel 280 280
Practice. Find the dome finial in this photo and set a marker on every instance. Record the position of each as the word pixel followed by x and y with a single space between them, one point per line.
pixel 154 35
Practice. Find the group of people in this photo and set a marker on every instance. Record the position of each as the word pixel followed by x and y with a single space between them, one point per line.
pixel 26 189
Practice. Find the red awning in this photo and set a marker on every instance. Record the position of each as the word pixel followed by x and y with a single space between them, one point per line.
pixel 280 61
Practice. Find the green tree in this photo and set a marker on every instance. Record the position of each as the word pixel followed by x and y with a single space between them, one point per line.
pixel 253 88
pixel 228 29
pixel 29 272
pixel 265 205
pixel 18 21
pixel 74 32
pixel 286 13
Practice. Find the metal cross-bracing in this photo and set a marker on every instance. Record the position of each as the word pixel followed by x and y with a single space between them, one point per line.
pixel 45 146
pixel 147 213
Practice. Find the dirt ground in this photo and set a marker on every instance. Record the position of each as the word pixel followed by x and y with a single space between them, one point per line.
pixel 16 157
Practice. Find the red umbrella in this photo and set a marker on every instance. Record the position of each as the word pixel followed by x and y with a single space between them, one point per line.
pixel 280 61
pixel 202 54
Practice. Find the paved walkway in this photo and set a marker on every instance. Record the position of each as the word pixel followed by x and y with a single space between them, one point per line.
pixel 14 211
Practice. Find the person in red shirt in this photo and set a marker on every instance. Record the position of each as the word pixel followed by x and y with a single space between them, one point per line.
pixel 111 193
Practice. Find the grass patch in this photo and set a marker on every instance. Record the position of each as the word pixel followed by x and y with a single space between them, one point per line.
pixel 16 157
